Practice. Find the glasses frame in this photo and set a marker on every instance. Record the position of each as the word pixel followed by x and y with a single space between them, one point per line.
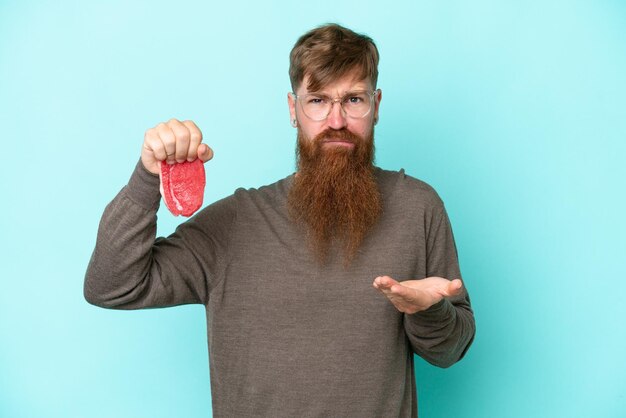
pixel 336 100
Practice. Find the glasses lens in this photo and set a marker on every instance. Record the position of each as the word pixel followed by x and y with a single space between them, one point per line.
pixel 356 105
pixel 316 107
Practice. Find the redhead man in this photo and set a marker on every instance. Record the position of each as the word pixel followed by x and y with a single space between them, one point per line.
pixel 318 288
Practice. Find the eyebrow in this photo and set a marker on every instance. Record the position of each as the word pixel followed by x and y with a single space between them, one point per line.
pixel 349 92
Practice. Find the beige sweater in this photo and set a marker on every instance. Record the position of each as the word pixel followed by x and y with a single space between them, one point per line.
pixel 289 337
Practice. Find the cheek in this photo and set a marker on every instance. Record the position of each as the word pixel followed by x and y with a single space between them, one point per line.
pixel 361 128
pixel 311 130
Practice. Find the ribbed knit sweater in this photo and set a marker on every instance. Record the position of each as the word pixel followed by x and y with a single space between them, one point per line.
pixel 287 335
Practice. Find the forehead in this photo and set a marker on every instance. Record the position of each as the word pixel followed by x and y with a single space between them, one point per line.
pixel 349 82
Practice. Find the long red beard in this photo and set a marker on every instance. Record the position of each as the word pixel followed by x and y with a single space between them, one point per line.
pixel 335 194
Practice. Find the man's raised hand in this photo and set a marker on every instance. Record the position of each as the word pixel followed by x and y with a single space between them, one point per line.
pixel 413 296
pixel 173 141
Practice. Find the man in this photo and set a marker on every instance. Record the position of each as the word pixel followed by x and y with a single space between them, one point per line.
pixel 318 288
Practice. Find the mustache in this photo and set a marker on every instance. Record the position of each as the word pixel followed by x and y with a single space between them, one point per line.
pixel 343 135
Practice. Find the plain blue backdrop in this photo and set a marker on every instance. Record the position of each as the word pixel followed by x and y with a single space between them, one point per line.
pixel 514 111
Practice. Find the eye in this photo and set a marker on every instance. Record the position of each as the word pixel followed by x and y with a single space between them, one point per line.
pixel 315 100
pixel 354 99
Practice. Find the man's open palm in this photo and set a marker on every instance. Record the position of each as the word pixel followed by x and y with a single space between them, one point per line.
pixel 411 296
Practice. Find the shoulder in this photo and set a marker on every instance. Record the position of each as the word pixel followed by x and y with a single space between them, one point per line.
pixel 242 203
pixel 397 185
pixel 269 195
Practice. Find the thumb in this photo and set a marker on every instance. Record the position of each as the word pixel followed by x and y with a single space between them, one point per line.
pixel 205 153
pixel 454 287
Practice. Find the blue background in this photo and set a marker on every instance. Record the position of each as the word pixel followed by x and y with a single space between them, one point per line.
pixel 514 112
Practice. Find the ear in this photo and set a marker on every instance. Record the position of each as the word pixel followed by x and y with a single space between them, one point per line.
pixel 377 98
pixel 291 100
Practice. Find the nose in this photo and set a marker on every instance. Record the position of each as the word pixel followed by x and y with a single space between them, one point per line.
pixel 336 118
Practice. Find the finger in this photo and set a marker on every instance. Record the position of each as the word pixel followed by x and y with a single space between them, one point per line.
pixel 182 138
pixel 168 138
pixel 384 282
pixel 205 153
pixel 402 303
pixel 401 296
pixel 195 138
pixel 405 293
pixel 152 142
pixel 455 287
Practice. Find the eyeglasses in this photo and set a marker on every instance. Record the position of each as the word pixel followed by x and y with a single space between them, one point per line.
pixel 356 104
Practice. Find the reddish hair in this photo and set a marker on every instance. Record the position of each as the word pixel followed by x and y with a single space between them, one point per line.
pixel 330 52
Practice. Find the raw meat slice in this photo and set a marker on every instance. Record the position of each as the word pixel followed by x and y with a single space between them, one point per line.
pixel 182 186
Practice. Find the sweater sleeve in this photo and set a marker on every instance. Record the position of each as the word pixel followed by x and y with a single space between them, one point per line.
pixel 130 268
pixel 443 333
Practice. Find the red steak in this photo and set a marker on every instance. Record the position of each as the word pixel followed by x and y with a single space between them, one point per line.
pixel 182 186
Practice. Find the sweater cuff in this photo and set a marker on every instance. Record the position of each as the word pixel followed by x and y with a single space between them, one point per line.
pixel 143 188
pixel 440 312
